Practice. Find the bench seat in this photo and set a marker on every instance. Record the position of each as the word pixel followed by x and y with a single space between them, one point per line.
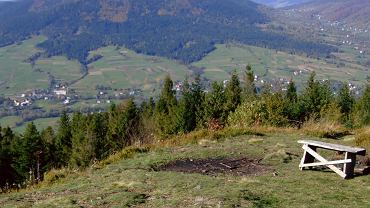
pixel 349 162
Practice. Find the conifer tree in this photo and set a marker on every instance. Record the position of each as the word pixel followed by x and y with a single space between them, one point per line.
pixel 48 142
pixel 345 101
pixel 215 102
pixel 63 140
pixel 233 93
pixel 8 174
pixel 250 90
pixel 291 94
pixel 165 109
pixel 198 97
pixel 186 119
pixel 316 96
pixel 362 109
pixel 30 154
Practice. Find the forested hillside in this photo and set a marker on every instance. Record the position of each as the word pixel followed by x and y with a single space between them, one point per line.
pixel 184 29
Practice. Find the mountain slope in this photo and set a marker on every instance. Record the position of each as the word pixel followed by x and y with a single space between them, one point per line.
pixel 354 12
pixel 280 3
pixel 182 29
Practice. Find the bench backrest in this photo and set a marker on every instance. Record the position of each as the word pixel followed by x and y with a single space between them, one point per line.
pixel 337 147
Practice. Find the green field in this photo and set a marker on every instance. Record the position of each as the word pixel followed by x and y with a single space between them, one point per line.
pixel 270 64
pixel 121 68
pixel 18 76
pixel 9 121
pixel 134 182
pixel 41 123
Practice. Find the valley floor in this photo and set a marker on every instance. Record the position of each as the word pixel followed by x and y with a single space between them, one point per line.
pixel 140 182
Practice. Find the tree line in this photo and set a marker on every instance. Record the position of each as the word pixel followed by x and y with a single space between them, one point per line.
pixel 83 138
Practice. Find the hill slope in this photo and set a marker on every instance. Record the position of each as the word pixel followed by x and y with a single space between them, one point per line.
pixel 183 29
pixel 136 182
pixel 281 3
pixel 353 12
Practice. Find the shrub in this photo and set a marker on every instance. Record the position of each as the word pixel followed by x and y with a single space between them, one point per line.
pixel 363 137
pixel 53 175
pixel 324 128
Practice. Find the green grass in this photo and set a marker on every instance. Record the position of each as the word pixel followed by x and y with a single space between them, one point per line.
pixel 9 121
pixel 132 182
pixel 271 64
pixel 17 76
pixel 41 123
pixel 121 68
pixel 60 67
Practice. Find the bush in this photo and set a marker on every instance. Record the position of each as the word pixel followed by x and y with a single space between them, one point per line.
pixel 125 153
pixel 324 128
pixel 363 137
pixel 53 175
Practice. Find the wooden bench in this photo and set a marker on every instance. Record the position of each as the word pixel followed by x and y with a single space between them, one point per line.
pixel 349 162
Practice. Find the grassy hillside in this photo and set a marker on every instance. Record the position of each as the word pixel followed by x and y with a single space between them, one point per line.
pixel 121 68
pixel 18 76
pixel 135 181
pixel 271 64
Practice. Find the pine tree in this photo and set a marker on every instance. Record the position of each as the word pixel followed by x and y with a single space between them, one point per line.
pixel 48 141
pixel 362 109
pixel 214 104
pixel 63 140
pixel 291 94
pixel 186 117
pixel 315 97
pixel 8 173
pixel 198 97
pixel 345 101
pixel 30 154
pixel 233 93
pixel 250 90
pixel 165 109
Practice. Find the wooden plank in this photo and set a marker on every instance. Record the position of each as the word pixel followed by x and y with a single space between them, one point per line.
pixel 337 147
pixel 335 162
pixel 307 158
pixel 349 168
pixel 321 159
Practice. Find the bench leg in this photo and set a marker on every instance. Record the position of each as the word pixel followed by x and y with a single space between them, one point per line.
pixel 307 158
pixel 349 168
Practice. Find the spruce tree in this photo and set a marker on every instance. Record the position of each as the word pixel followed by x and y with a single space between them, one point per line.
pixel 8 173
pixel 291 94
pixel 63 140
pixel 362 109
pixel 165 109
pixel 30 154
pixel 345 101
pixel 250 90
pixel 48 141
pixel 214 104
pixel 186 117
pixel 233 93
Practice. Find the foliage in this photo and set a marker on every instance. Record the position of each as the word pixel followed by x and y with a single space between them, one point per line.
pixel 363 137
pixel 362 109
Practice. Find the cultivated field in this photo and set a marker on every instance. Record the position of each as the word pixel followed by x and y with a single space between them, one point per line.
pixel 270 64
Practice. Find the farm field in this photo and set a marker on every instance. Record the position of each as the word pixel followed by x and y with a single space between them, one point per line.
pixel 18 76
pixel 41 123
pixel 270 64
pixel 120 68
pixel 146 179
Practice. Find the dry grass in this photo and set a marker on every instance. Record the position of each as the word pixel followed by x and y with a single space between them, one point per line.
pixel 363 137
pixel 325 129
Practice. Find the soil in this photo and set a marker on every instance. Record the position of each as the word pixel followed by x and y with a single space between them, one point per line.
pixel 215 166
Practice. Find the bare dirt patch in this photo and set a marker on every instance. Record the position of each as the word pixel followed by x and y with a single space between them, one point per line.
pixel 215 166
